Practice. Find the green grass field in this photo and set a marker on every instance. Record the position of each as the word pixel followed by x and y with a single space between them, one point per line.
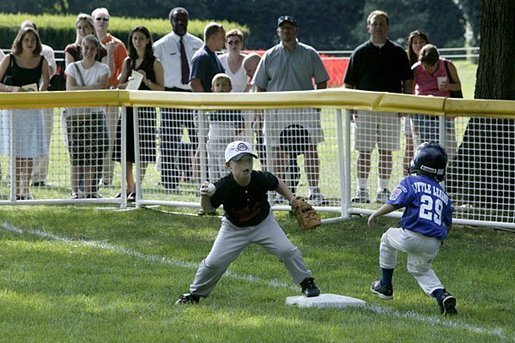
pixel 94 274
pixel 99 274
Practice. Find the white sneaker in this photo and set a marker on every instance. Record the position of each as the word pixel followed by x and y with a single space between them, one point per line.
pixel 361 196
pixel 317 199
pixel 383 196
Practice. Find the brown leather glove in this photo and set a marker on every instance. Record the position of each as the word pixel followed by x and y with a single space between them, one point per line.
pixel 306 215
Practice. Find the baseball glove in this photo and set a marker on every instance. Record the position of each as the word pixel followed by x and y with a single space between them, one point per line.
pixel 306 215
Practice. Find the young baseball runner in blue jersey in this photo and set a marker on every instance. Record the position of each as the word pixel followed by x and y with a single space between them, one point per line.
pixel 248 219
pixel 426 220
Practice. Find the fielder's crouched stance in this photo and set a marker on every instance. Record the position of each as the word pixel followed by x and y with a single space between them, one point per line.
pixel 426 220
pixel 248 219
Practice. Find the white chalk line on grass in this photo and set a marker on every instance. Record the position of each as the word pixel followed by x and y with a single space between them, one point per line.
pixel 434 321
pixel 133 253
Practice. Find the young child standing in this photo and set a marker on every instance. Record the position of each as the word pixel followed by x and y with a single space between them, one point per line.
pixel 425 223
pixel 224 127
pixel 248 219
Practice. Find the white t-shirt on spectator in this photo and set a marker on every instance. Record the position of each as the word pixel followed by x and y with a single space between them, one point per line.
pixel 90 76
pixel 238 79
pixel 48 53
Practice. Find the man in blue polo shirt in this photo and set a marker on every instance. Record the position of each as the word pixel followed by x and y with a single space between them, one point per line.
pixel 382 66
pixel 292 66
pixel 205 64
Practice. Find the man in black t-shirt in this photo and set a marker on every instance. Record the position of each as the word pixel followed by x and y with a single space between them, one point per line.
pixel 382 66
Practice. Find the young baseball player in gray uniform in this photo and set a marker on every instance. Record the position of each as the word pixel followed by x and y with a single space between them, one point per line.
pixel 248 219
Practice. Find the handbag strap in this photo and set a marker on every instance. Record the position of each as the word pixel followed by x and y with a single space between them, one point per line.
pixel 80 74
pixel 9 72
pixel 6 79
pixel 11 64
pixel 447 70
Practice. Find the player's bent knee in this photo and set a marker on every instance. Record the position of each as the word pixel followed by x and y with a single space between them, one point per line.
pixel 418 270
pixel 215 264
pixel 287 252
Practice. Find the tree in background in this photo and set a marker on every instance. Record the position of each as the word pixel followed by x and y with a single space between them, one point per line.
pixel 471 10
pixel 496 70
pixel 442 20
pixel 483 173
pixel 35 6
pixel 324 24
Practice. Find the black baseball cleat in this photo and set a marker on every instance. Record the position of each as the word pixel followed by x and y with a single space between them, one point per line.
pixel 447 304
pixel 188 298
pixel 383 291
pixel 309 287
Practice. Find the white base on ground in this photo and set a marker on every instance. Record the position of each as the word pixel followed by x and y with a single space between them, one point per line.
pixel 325 300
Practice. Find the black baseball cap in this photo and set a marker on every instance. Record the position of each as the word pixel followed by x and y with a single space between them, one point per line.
pixel 286 18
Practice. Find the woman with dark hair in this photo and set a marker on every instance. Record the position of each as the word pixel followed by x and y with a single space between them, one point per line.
pixel 24 69
pixel 141 59
pixel 416 40
pixel 84 26
pixel 86 126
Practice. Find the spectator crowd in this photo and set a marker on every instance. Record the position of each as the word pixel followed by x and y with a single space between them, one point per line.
pixel 181 62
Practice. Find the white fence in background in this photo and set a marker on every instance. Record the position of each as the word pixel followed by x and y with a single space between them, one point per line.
pixel 480 176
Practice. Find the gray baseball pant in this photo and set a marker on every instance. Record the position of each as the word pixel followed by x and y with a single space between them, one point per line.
pixel 231 241
pixel 421 252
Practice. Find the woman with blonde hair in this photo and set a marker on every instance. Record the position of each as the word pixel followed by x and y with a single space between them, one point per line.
pixel 84 26
pixel 232 61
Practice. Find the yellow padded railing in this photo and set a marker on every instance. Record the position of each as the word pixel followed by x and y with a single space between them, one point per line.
pixel 328 98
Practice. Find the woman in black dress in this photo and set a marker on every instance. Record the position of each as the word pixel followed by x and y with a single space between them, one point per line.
pixel 141 59
pixel 22 69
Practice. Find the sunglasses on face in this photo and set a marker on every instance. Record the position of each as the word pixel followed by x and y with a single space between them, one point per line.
pixel 231 42
pixel 101 19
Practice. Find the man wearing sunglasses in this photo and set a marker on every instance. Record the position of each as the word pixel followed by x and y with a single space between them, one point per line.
pixel 116 54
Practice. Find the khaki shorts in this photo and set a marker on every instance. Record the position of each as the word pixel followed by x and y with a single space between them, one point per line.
pixel 277 120
pixel 381 129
